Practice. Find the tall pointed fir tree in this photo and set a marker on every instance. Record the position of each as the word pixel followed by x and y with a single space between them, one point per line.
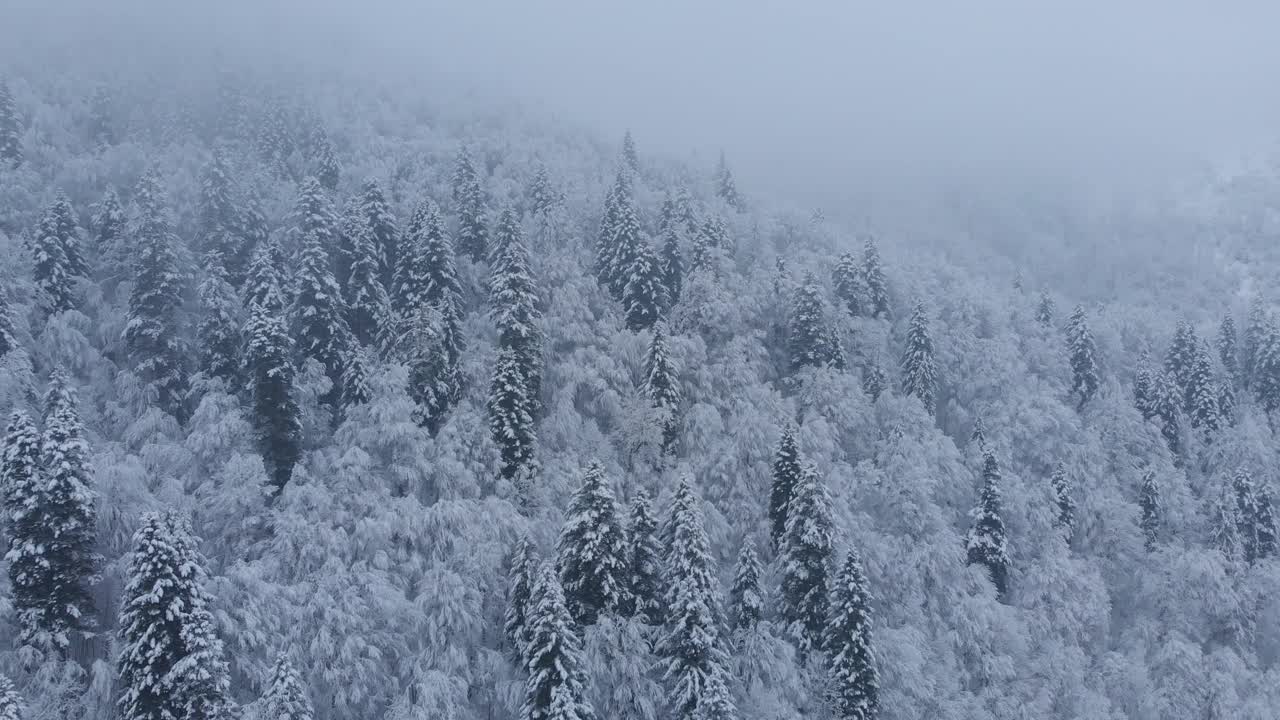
pixel 314 214
pixel 69 235
pixel 10 701
pixel 1255 520
pixel 1046 310
pixel 319 325
pixel 809 341
pixel 849 645
pixel 264 285
pixel 10 128
pixel 874 281
pixel 593 551
pixel 986 543
pixel 1181 359
pixel 556 687
pixel 646 587
pixel 787 473
pixel 620 239
pixel 1143 387
pixel 662 386
pixel 847 278
pixel 109 230
pixel 513 301
pixel 520 581
pixel 286 696
pixel 1165 409
pixel 469 203
pixel 1266 368
pixel 726 188
pixel 171 662
pixel 357 370
pixel 511 415
pixel 1152 512
pixel 746 600
pixel 691 645
pixel 8 334
pixel 806 555
pixel 365 296
pixel 151 332
pixel 218 337
pixel 630 158
pixel 51 267
pixel 1255 326
pixel 711 238
pixel 672 265
pixel 1062 497
pixel 425 274
pixel 276 417
pixel 1227 351
pixel 1203 407
pixel 873 380
pixel 217 214
pixel 1081 353
pixel 919 371
pixel 380 227
pixel 644 293
pixel 276 143
pixel 542 197
pixel 324 160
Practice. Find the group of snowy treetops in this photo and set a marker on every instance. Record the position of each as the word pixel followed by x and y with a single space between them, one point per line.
pixel 338 412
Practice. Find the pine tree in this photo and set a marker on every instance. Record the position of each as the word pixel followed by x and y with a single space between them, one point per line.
pixel 672 265
pixel 1255 520
pixel 1224 526
pixel 275 141
pixel 1152 512
pixel 1164 408
pixel 520 580
pixel 1266 369
pixel 1253 332
pixel 1227 348
pixel 109 224
pixel 662 386
pixel 593 550
pixel 810 342
pixel 69 235
pixel 356 372
pixel 711 238
pixel 542 197
pixel 313 215
pixel 217 215
pixel 787 473
pixel 746 601
pixel 847 278
pixel 1143 389
pixel 874 380
pixel 10 701
pixel 364 293
pixel 286 696
pixel 726 188
pixel 1181 360
pixel 620 238
pixel 1203 408
pixel 171 663
pixel 435 382
pixel 380 227
pixel 276 416
pixel 630 159
pixel 646 581
pixel 807 550
pixel 409 289
pixel 1084 366
pixel 986 543
pixel 514 308
pixel 52 268
pixel 1062 490
pixel 873 280
pixel 1046 310
pixel 510 414
pixel 325 161
pixel 151 333
pixel 919 372
pixel 8 334
pixel 691 645
pixel 10 128
pixel 264 285
pixel 319 325
pixel 849 644
pixel 469 203
pixel 644 293
pixel 1267 538
pixel 218 335
pixel 555 689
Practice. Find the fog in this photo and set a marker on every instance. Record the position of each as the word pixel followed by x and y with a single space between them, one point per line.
pixel 816 101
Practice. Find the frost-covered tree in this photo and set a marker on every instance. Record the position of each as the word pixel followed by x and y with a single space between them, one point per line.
pixel 435 382
pixel 810 342
pixel 325 161
pixel 520 580
pixel 218 338
pixel 364 293
pixel 1164 408
pixel 10 700
pixel 217 215
pixel 513 299
pixel 171 662
pixel 662 386
pixel 710 239
pixel 10 128
pixel 380 229
pixel 264 284
pixel 52 269
pixel 672 265
pixel 109 224
pixel 1081 354
pixel 1180 362
pixel 276 417
pixel 318 316
pixel 847 278
pixel 1255 327
pixel 1062 496
pixel 511 414
pixel 644 293
pixel 68 234
pixel 987 544
pixel 286 696
pixel 849 645
pixel 919 369
pixel 1143 387
pixel 8 336
pixel 1203 407
pixel 620 238
pixel 726 188
pixel 874 381
pixel 593 550
pixel 469 203
pixel 313 215
pixel 1266 367
pixel 357 368
pixel 276 143
pixel 1149 502
pixel 542 196
pixel 646 583
pixel 1255 521
pixel 630 159
pixel 556 688
pixel 1046 310
pixel 426 273
pixel 807 551
pixel 1227 350
pixel 746 600
pixel 874 281
pixel 787 473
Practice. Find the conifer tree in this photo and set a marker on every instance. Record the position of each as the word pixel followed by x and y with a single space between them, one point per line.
pixel 264 285
pixel 787 473
pixel 510 414
pixel 276 416
pixel 1203 409
pixel 412 288
pixel 874 282
pixel 171 661
pixel 1226 401
pixel 1224 526
pixel 286 697
pixel 919 372
pixel 10 701
pixel 109 225
pixel 10 128
pixel 1084 366
pixel 1046 310
pixel 746 601
pixel 1164 408
pixel 325 160
pixel 435 382
pixel 986 543
pixel 646 582
pixel 810 342
pixel 874 380
pixel 644 293
pixel 1143 388
pixel 556 688
pixel 218 333
pixel 364 293
pixel 711 237
pixel 726 188
pixel 69 235
pixel 151 333
pixel 691 645
pixel 717 701
pixel 52 268
pixel 593 551
pixel 313 214
pixel 514 309
pixel 520 581
pixel 1152 512
pixel 979 435
pixel 1254 329
pixel 380 227
pixel 662 386
pixel 356 373
pixel 216 210
pixel 630 159
pixel 318 314
pixel 620 238
pixel 469 203
pixel 542 197
pixel 1267 531
pixel 1266 369
pixel 672 266
pixel 806 555
pixel 847 278
pixel 1255 521
pixel 849 644
pixel 1227 348
pixel 1062 490
pixel 1181 360
pixel 8 335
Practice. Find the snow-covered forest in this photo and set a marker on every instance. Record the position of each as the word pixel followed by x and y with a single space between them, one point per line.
pixel 328 399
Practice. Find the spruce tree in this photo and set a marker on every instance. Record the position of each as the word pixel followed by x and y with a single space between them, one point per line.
pixel 514 309
pixel 10 701
pixel 1152 512
pixel 787 473
pixel 1224 526
pixel 1227 348
pixel 847 278
pixel 645 593
pixel 325 161
pixel 849 645
pixel 1255 327
pixel 152 331
pixel 711 238
pixel 593 551
pixel 69 235
pixel 672 266
pixel 364 293
pixel 874 380
pixel 807 551
pixel 1203 409
pixel 644 293
pixel 746 601
pixel 510 414
pixel 314 215
pixel 319 325
pixel 10 128
pixel 726 188
pixel 264 285
pixel 218 337
pixel 1046 310
pixel 1255 520
pixel 52 268
pixel 555 689
pixel 630 159
pixel 520 580
pixel 1181 360
pixel 1143 388
pixel 8 334
pixel 109 226
pixel 542 197
pixel 1266 369
pixel 286 697
pixel 919 371
pixel 357 368
pixel 171 662
pixel 986 543
pixel 411 288
pixel 809 341
pixel 216 211
pixel 380 227
pixel 276 417
pixel 662 386
pixel 874 282
pixel 469 203
pixel 435 382
pixel 1267 531
pixel 1164 408
pixel 1081 351
pixel 1066 504
pixel 620 238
